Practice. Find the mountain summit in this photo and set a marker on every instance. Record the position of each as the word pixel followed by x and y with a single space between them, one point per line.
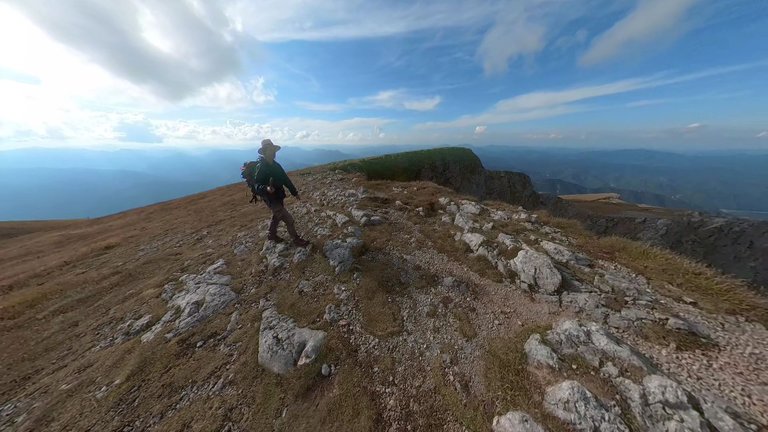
pixel 436 295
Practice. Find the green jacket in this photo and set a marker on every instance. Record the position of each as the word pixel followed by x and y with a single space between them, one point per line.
pixel 275 174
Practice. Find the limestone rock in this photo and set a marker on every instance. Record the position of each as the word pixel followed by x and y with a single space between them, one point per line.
pixel 564 255
pixel 341 253
pixel 463 221
pixel 470 207
pixel 331 314
pixel 537 271
pixel 508 241
pixel 474 240
pixel 686 326
pixel 339 218
pixel 283 345
pixel 593 343
pixel 661 404
pixel 574 404
pixel 581 301
pixel 301 254
pixel 516 421
pixel 540 354
pixel 366 218
pixel 719 417
pixel 620 280
pixel 276 254
pixel 204 295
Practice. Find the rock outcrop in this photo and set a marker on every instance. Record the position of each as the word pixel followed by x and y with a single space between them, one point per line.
pixel 283 345
pixel 574 404
pixel 735 246
pixel 654 401
pixel 537 272
pixel 516 421
pixel 202 296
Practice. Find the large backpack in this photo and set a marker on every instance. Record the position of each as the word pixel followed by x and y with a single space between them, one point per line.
pixel 248 173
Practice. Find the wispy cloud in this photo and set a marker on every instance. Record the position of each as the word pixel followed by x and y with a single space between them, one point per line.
pixel 513 35
pixel 649 21
pixel 312 106
pixel 647 102
pixel 289 130
pixel 543 104
pixel 397 99
pixel 763 134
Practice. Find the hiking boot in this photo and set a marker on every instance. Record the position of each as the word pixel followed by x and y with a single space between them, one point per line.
pixel 275 238
pixel 300 242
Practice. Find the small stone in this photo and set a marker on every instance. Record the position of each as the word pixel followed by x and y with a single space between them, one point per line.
pixel 515 421
pixel 325 370
pixel 331 314
pixel 200 344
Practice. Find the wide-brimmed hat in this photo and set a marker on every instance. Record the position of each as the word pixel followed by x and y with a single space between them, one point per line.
pixel 268 145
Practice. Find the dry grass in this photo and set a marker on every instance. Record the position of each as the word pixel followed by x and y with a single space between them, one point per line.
pixel 670 273
pixel 340 402
pixel 464 324
pixel 381 313
pixel 684 341
pixel 469 410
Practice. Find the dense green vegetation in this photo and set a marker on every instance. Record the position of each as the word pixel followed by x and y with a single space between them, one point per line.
pixel 408 166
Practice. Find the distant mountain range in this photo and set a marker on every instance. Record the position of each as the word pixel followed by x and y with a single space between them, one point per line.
pixel 74 183
pixel 562 187
pixel 40 184
pixel 700 181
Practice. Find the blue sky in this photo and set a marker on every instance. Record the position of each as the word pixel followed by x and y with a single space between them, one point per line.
pixel 685 74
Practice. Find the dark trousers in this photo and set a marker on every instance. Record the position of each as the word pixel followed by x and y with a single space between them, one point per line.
pixel 279 213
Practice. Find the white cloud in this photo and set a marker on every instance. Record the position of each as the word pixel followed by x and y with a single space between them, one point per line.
pixel 693 126
pixel 479 130
pixel 397 99
pixel 646 102
pixel 261 94
pixel 649 21
pixel 763 134
pixel 427 104
pixel 543 136
pixel 312 106
pixel 512 36
pixel 290 130
pixel 172 48
pixel 543 104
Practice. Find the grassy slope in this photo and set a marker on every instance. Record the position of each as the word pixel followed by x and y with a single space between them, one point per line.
pixel 63 290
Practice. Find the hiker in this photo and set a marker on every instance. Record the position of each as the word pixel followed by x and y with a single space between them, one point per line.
pixel 267 182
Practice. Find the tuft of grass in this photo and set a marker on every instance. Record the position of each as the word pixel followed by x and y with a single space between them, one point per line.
pixel 670 273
